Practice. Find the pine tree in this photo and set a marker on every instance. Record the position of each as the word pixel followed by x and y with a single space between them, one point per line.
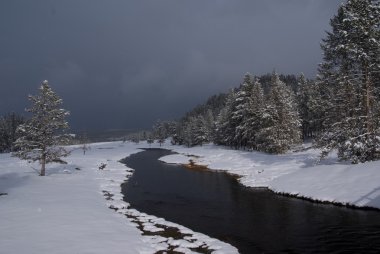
pixel 225 126
pixel 209 126
pixel 189 130
pixel 317 105
pixel 177 138
pixel 42 135
pixel 350 74
pixel 240 111
pixel 255 111
pixel 8 127
pixel 303 101
pixel 280 123
pixel 159 132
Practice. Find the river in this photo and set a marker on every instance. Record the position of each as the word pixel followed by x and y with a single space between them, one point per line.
pixel 253 220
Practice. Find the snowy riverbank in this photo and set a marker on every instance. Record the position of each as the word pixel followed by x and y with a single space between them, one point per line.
pixel 293 173
pixel 67 211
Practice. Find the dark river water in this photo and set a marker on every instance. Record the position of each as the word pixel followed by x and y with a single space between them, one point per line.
pixel 253 220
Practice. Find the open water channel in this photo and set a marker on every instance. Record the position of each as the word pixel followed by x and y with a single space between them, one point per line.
pixel 253 220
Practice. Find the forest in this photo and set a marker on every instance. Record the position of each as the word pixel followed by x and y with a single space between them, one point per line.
pixel 338 110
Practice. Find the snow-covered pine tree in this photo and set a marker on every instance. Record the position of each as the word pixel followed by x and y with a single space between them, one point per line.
pixel 255 110
pixel 209 125
pixel 159 132
pixel 280 122
pixel 42 136
pixel 350 73
pixel 303 101
pixel 189 131
pixel 177 138
pixel 199 131
pixel 316 104
pixel 221 125
pixel 240 110
pixel 225 127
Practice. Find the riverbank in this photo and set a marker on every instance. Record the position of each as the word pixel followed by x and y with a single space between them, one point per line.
pixel 68 210
pixel 65 211
pixel 295 174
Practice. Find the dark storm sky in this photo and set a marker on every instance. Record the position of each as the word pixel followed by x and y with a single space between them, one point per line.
pixel 125 63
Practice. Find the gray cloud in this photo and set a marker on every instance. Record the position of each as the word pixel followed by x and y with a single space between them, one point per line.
pixel 123 64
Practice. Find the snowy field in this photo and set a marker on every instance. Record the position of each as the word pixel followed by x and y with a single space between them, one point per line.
pixel 68 211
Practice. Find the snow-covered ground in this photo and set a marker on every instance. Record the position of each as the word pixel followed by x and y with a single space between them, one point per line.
pixel 68 211
pixel 294 173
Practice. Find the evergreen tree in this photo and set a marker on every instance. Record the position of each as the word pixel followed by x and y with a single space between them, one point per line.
pixel 177 138
pixel 163 130
pixel 159 132
pixel 199 131
pixel 225 126
pixel 255 111
pixel 41 136
pixel 209 126
pixel 303 101
pixel 240 111
pixel 350 75
pixel 280 121
pixel 8 127
pixel 189 131
pixel 221 126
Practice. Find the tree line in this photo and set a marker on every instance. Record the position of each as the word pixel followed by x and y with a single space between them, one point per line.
pixel 339 110
pixel 248 117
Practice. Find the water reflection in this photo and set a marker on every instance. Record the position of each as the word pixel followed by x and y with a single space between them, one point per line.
pixel 253 220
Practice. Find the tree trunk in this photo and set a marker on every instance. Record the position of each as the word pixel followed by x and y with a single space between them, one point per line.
pixel 43 164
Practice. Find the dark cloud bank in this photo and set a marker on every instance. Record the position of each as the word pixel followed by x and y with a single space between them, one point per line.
pixel 123 64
